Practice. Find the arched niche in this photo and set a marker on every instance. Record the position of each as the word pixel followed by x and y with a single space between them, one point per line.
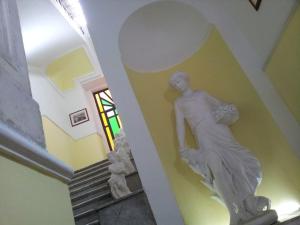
pixel 160 35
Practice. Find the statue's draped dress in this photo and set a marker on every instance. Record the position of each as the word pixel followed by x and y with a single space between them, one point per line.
pixel 227 167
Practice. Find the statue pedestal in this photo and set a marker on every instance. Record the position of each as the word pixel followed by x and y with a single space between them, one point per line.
pixel 268 218
pixel 291 221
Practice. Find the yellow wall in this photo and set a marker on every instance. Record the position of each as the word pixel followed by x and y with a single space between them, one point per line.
pixel 214 69
pixel 65 69
pixel 87 151
pixel 76 153
pixel 32 198
pixel 57 141
pixel 284 65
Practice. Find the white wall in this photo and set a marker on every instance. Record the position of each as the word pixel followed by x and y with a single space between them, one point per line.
pixel 261 28
pixel 75 100
pixel 57 105
pixel 160 36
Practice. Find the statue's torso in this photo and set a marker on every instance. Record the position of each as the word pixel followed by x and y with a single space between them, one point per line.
pixel 195 108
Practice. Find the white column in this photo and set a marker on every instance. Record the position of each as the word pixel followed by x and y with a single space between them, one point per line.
pixel 105 19
pixel 18 110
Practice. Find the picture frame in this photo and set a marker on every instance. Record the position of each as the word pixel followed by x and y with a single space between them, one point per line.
pixel 255 4
pixel 79 117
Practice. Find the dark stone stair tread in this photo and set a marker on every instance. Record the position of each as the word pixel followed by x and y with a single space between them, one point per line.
pixel 87 219
pixel 84 213
pixel 89 185
pixel 89 191
pixel 114 201
pixel 90 179
pixel 105 193
pixel 95 222
pixel 92 205
pixel 91 173
pixel 99 167
pixel 91 166
pixel 93 199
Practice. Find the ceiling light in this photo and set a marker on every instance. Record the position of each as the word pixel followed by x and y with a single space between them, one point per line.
pixel 74 11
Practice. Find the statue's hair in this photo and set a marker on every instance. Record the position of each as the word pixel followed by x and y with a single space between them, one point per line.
pixel 177 75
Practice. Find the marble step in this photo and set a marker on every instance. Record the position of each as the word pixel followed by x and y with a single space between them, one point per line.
pixel 94 198
pixel 89 179
pixel 85 214
pixel 90 212
pixel 92 165
pixel 88 191
pixel 88 186
pixel 89 174
pixel 95 222
pixel 92 195
pixel 88 219
pixel 133 209
pixel 88 208
pixel 89 169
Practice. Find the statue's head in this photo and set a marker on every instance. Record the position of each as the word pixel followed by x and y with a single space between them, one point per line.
pixel 179 81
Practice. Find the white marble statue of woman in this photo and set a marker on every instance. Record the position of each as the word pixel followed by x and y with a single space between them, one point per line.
pixel 117 180
pixel 123 151
pixel 227 168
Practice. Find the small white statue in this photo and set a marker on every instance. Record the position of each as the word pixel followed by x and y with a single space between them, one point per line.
pixel 123 152
pixel 117 180
pixel 227 168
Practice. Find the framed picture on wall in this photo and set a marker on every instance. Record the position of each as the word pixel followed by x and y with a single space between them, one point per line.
pixel 255 4
pixel 79 117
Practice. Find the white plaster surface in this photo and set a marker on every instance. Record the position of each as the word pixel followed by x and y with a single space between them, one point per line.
pixel 47 34
pixel 21 132
pixel 57 105
pixel 105 38
pixel 160 36
pixel 18 110
pixel 261 28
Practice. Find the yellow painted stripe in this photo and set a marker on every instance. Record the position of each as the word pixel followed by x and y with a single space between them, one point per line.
pixel 104 119
pixel 99 103
pixel 110 138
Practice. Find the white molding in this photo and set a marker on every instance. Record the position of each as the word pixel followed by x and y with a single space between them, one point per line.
pixel 44 76
pixel 68 19
pixel 90 50
pixel 31 154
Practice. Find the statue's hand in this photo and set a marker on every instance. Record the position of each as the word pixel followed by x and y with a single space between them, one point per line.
pixel 183 153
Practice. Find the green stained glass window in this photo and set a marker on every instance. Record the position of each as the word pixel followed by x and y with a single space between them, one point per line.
pixel 105 102
pixel 108 115
pixel 114 125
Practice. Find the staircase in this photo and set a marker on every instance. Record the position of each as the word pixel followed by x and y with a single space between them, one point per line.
pixel 90 196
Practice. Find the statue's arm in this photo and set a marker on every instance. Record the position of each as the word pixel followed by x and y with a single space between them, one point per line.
pixel 180 129
pixel 214 102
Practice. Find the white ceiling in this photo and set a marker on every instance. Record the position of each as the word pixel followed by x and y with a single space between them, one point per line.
pixel 161 35
pixel 46 33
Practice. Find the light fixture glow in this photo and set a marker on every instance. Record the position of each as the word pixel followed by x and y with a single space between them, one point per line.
pixel 77 12
pixel 74 11
pixel 287 209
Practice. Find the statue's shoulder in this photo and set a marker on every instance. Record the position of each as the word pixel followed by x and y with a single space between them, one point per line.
pixel 199 92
